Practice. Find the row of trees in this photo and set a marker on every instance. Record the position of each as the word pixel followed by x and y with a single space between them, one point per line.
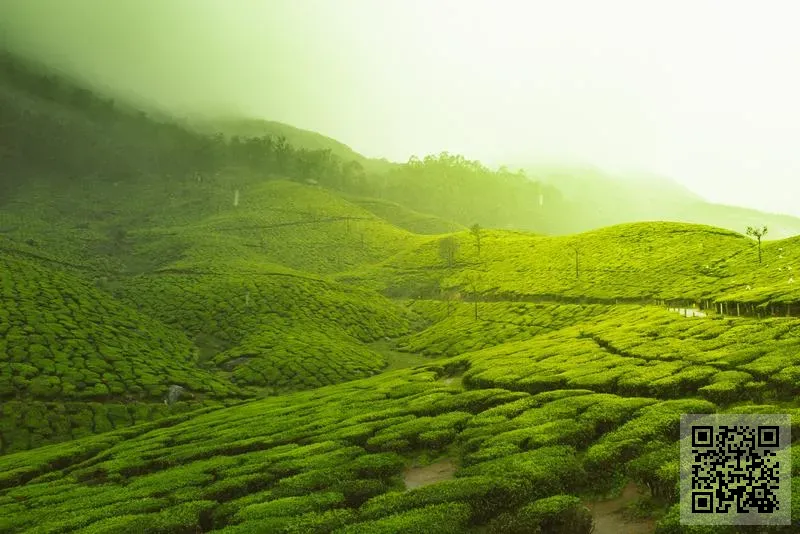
pixel 448 249
pixel 87 134
pixel 462 190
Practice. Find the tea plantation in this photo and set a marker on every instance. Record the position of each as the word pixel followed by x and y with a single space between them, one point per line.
pixel 547 386
pixel 234 335
pixel 332 459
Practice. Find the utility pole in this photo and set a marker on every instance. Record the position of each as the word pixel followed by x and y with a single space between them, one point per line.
pixel 577 269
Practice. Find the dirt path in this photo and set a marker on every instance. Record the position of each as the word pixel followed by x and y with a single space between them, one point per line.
pixel 416 477
pixel 396 359
pixel 608 517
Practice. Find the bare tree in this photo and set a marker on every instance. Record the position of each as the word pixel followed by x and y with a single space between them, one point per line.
pixel 448 247
pixel 473 280
pixel 476 232
pixel 451 296
pixel 758 233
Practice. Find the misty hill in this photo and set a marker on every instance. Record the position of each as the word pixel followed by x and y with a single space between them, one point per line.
pixel 335 348
pixel 298 137
pixel 602 199
pixel 126 146
pixel 581 198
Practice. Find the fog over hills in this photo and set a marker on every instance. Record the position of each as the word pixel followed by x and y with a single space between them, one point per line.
pixel 359 267
pixel 505 82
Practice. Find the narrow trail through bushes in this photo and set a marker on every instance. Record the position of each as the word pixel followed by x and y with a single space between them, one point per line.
pixel 608 514
pixel 418 476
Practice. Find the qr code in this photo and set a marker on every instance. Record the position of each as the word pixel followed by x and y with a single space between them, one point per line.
pixel 735 469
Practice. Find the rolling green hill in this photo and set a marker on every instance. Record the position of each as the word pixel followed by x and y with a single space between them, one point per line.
pixel 350 364
pixel 74 360
pixel 407 219
pixel 633 261
pixel 528 423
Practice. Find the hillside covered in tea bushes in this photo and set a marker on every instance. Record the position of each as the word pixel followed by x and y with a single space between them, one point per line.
pixel 348 363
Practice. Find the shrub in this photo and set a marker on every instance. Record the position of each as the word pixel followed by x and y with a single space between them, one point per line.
pixel 547 470
pixel 559 514
pixel 486 496
pixel 291 506
pixel 378 465
pixel 450 518
pixel 357 491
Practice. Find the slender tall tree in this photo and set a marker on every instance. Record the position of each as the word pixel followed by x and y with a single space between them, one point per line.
pixel 477 233
pixel 757 233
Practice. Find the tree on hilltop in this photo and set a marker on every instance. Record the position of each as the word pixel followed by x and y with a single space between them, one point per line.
pixel 757 233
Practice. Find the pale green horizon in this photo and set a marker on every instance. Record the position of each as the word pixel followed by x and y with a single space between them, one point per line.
pixel 704 92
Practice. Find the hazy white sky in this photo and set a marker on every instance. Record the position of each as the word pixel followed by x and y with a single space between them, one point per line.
pixel 707 92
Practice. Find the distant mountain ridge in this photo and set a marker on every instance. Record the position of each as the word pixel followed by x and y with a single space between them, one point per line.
pixel 605 199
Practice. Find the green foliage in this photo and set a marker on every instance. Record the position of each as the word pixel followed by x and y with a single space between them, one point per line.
pixel 185 261
pixel 559 514
pixel 290 506
pixel 402 217
pixel 457 189
pixel 485 495
pixel 66 340
pixel 633 263
pixel 501 323
pixel 451 518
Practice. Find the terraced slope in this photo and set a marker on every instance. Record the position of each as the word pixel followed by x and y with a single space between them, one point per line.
pixel 301 227
pixel 642 263
pixel 275 329
pixel 770 283
pixel 322 461
pixel 141 226
pixel 185 295
pixel 402 217
pixel 64 339
pixel 625 262
pixel 455 330
pixel 652 352
pixel 535 418
pixel 178 283
pixel 74 360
